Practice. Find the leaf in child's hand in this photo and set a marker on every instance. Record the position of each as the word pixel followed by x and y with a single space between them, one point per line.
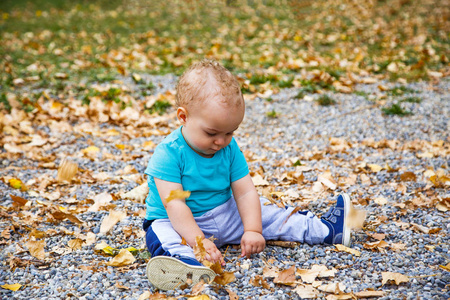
pixel 183 241
pixel 178 194
pixel 199 249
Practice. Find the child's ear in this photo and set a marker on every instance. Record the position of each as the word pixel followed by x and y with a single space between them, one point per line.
pixel 182 114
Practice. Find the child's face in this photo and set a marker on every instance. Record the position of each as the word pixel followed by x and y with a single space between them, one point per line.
pixel 209 127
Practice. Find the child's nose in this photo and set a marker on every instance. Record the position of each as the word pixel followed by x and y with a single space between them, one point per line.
pixel 219 141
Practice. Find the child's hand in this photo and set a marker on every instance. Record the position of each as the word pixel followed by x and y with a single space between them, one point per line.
pixel 252 242
pixel 213 254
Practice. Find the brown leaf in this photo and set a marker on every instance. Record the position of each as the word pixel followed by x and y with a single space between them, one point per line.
pixel 259 281
pixel 122 259
pixel 408 176
pixel 232 295
pixel 18 201
pixel 379 245
pixel 286 277
pixel 392 276
pixel 225 278
pixel 36 248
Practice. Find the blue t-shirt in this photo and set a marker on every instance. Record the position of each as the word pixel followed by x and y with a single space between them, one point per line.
pixel 208 179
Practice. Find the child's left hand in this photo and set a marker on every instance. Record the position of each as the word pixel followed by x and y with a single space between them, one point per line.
pixel 252 242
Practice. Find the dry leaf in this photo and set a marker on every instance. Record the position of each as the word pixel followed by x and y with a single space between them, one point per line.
pixel 200 297
pixel 100 200
pixel 286 277
pixel 375 168
pixel 12 287
pixel 224 278
pixel 347 249
pixel 270 271
pixel 258 180
pixel 18 201
pixel 327 180
pixel 380 201
pixel 112 219
pixel 67 170
pixel 124 258
pixel 397 277
pixel 306 291
pixel 408 176
pixel 369 294
pixel 75 244
pixel 447 267
pixel 333 287
pixel 232 295
pixel 259 281
pixel 379 245
pixel 356 218
pixel 138 194
pixel 178 194
pixel 36 248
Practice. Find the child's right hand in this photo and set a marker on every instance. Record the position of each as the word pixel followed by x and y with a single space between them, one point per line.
pixel 212 253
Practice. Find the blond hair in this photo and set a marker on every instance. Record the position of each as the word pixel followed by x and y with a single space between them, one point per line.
pixel 207 79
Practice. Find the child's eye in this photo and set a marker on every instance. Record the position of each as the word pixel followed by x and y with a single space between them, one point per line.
pixel 210 134
pixel 230 133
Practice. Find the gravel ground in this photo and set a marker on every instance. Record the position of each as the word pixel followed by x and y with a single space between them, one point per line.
pixel 301 131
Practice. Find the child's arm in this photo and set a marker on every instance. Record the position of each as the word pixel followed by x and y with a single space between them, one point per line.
pixel 247 200
pixel 183 221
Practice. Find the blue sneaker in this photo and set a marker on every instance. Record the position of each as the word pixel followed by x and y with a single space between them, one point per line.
pixel 336 221
pixel 169 273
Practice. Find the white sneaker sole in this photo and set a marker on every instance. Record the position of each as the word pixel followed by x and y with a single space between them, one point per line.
pixel 168 273
pixel 346 232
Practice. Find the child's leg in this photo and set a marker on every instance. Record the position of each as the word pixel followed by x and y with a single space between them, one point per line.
pixel 162 239
pixel 172 264
pixel 303 227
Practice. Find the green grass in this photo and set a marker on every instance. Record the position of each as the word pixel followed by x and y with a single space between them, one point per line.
pixel 159 107
pixel 412 99
pixel 400 90
pixel 395 109
pixel 103 41
pixel 272 114
pixel 325 100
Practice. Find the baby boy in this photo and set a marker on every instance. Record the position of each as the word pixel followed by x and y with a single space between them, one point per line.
pixel 202 157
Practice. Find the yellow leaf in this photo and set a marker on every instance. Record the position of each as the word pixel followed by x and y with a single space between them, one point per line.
pixel 347 249
pixel 375 168
pixel 124 258
pixel 447 267
pixel 90 149
pixel 120 146
pixel 200 297
pixel 15 183
pixel 12 287
pixel 178 194
pixel 397 277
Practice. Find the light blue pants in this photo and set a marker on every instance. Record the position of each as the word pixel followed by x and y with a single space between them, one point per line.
pixel 224 223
